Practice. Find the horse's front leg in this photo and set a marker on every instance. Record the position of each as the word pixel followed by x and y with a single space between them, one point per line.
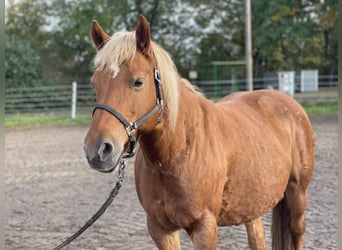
pixel 204 232
pixel 256 234
pixel 164 239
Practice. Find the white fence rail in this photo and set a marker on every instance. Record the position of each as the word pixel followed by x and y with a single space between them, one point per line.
pixel 219 88
pixel 81 98
pixel 41 99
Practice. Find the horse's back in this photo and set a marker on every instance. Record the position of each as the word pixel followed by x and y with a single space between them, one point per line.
pixel 268 102
pixel 271 108
pixel 268 108
pixel 274 145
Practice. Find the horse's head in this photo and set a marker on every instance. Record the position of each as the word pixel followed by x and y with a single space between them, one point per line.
pixel 128 100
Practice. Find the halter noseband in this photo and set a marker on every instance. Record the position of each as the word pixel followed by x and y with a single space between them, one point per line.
pixel 130 127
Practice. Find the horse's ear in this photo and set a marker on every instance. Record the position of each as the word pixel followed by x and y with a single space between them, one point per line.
pixel 143 36
pixel 98 35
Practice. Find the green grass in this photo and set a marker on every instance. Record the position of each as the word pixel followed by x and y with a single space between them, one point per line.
pixel 45 120
pixel 321 109
pixel 64 120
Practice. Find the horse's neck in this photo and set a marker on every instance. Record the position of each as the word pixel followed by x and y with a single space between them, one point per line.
pixel 164 145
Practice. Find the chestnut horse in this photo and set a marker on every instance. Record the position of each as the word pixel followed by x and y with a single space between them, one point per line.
pixel 200 164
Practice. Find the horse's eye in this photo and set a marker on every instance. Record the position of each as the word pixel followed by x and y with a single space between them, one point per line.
pixel 138 83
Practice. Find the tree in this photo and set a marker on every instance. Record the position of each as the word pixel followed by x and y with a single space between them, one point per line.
pixel 22 64
pixel 288 35
pixel 191 31
pixel 327 15
pixel 24 40
pixel 72 47
pixel 27 20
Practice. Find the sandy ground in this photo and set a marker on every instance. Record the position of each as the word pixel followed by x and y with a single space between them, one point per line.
pixel 51 192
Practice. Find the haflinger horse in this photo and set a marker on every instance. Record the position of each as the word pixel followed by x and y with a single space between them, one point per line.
pixel 200 164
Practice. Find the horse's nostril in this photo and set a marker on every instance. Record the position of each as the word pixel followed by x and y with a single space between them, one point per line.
pixel 105 150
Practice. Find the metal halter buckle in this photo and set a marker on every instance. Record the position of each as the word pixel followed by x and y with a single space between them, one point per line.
pixel 130 130
pixel 157 75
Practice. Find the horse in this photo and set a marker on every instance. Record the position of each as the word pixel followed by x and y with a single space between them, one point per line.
pixel 200 164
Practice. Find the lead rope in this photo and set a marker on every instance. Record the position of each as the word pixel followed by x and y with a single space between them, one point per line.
pixel 112 195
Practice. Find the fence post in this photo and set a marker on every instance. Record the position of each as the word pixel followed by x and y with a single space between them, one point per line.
pixel 73 100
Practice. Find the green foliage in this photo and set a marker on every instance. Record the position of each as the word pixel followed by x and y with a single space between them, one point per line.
pixel 225 40
pixel 294 35
pixel 72 47
pixel 24 43
pixel 22 64
pixel 49 40
pixel 27 20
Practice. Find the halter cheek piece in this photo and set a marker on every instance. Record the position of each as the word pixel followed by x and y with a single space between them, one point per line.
pixel 131 127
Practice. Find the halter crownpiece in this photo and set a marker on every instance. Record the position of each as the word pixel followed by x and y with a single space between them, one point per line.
pixel 130 127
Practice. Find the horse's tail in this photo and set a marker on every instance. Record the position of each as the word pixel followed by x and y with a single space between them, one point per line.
pixel 281 235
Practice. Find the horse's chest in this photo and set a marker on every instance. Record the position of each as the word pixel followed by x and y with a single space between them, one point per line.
pixel 172 214
pixel 179 199
pixel 176 205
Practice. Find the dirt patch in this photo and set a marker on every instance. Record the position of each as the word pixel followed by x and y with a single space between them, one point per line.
pixel 51 192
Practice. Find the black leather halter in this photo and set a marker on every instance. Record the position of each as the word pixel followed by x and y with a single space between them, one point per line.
pixel 131 127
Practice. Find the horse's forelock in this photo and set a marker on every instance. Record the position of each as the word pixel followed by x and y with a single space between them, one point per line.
pixel 121 47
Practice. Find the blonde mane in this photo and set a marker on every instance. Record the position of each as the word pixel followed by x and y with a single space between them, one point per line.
pixel 192 87
pixel 121 48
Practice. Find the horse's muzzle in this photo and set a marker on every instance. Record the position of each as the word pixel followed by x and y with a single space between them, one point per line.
pixel 104 157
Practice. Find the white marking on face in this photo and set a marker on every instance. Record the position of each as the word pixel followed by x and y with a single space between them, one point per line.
pixel 116 71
